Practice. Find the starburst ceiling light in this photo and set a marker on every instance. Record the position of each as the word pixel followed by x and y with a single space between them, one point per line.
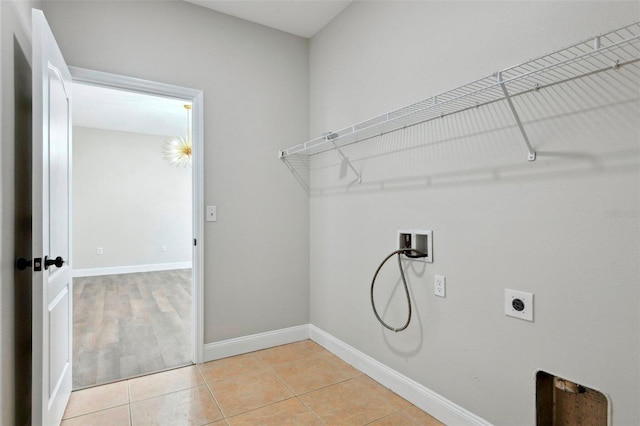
pixel 177 150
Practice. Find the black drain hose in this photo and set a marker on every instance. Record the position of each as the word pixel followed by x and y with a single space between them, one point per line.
pixel 414 254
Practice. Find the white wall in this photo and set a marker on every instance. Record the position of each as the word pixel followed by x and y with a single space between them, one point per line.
pixel 128 200
pixel 498 221
pixel 255 83
pixel 15 59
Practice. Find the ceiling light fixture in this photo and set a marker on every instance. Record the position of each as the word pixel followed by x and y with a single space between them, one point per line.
pixel 177 150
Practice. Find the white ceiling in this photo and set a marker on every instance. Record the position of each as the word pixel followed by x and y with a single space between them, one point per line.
pixel 300 17
pixel 110 109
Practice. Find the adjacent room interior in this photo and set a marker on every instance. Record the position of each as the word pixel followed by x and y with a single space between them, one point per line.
pixel 132 233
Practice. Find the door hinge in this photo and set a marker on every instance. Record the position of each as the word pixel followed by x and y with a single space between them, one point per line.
pixel 195 242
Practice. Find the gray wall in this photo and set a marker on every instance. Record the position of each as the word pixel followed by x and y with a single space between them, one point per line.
pixel 498 221
pixel 564 227
pixel 128 200
pixel 255 83
pixel 15 287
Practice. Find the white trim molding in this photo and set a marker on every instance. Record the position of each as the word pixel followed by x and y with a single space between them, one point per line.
pixel 255 342
pixel 424 398
pixel 130 269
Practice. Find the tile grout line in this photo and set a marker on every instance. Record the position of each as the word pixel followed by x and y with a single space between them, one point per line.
pixel 311 410
pixel 203 384
pixel 93 412
pixel 215 400
pixel 295 395
pixel 170 392
pixel 265 367
pixel 104 408
pixel 384 417
pixel 280 379
pixel 262 366
pixel 129 405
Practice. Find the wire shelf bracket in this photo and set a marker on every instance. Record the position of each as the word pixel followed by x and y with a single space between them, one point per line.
pixel 531 154
pixel 602 53
pixel 346 160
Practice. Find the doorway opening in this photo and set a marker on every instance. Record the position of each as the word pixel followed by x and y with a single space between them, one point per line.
pixel 136 291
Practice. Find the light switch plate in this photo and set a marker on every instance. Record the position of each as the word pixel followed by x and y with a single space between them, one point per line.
pixel 212 214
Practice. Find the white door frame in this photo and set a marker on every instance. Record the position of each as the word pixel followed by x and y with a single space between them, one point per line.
pixel 114 81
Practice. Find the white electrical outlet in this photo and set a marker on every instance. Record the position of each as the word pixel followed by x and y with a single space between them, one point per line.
pixel 99 250
pixel 440 285
pixel 518 304
pixel 212 214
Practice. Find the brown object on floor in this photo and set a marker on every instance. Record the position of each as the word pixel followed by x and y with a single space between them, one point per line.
pixel 563 402
pixel 130 324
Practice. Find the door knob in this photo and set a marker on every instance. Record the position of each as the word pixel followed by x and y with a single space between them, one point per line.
pixel 58 262
pixel 22 264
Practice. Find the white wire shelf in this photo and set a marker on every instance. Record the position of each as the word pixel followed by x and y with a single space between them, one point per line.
pixel 605 52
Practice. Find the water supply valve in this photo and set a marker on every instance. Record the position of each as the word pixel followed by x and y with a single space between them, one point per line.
pixel 420 241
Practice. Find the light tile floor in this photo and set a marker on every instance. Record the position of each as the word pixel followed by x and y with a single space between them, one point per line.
pixel 296 384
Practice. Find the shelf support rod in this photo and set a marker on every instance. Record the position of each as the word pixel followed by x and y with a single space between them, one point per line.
pixel 330 137
pixel 531 154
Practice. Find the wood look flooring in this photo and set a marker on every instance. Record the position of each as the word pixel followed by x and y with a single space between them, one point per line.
pixel 130 324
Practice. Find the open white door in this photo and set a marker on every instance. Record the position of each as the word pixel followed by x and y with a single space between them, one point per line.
pixel 52 322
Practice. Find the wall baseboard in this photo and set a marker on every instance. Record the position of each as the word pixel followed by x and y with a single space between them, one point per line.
pixel 114 270
pixel 419 395
pixel 255 342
